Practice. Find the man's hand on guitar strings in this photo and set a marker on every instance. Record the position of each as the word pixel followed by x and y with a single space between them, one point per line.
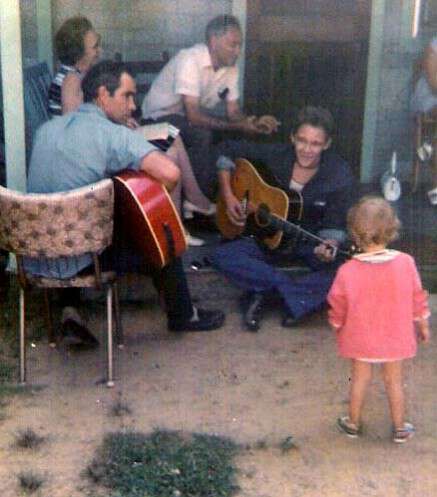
pixel 326 251
pixel 235 210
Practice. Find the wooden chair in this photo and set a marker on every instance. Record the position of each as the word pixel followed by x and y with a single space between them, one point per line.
pixel 425 130
pixel 53 226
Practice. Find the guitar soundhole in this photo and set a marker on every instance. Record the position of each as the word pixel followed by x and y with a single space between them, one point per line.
pixel 262 216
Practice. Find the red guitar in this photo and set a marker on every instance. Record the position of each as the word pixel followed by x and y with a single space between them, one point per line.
pixel 147 215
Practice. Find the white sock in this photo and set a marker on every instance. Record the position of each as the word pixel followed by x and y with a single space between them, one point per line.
pixel 195 316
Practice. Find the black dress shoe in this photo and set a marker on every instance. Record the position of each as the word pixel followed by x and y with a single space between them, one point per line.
pixel 74 333
pixel 202 320
pixel 253 311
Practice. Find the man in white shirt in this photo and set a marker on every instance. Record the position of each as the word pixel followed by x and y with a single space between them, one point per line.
pixel 197 91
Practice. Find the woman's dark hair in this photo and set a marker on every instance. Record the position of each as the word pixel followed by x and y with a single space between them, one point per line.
pixel 69 40
pixel 220 25
pixel 106 73
pixel 318 117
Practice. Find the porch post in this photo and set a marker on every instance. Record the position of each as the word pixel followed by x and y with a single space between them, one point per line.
pixel 372 89
pixel 44 24
pixel 13 102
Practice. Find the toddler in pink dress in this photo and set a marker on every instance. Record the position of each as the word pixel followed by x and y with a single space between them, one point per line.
pixel 375 301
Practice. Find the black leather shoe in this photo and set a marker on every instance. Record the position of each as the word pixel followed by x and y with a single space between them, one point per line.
pixel 203 320
pixel 74 333
pixel 253 311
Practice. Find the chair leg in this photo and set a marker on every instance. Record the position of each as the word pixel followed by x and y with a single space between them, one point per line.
pixel 118 324
pixel 110 381
pixel 22 338
pixel 49 318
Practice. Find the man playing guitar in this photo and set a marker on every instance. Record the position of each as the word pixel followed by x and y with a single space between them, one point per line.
pixel 325 184
pixel 93 143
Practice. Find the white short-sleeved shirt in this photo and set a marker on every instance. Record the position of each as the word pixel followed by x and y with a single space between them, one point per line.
pixel 191 73
pixel 423 99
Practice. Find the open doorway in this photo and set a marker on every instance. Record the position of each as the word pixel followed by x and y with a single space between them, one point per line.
pixel 309 53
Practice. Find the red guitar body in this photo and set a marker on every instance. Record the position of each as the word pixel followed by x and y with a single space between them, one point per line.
pixel 146 214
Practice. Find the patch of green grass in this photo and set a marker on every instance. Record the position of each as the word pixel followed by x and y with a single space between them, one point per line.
pixel 28 439
pixel 29 481
pixel 165 464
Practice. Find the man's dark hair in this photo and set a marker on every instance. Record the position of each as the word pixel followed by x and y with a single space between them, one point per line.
pixel 220 25
pixel 318 117
pixel 69 40
pixel 106 73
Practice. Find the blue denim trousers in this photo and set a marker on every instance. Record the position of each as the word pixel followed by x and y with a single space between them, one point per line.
pixel 252 268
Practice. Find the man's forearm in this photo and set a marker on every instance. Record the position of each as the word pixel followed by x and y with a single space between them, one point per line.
pixel 224 177
pixel 203 120
pixel 160 167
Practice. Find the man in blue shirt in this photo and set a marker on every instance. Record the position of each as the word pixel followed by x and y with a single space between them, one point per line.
pixel 323 179
pixel 93 143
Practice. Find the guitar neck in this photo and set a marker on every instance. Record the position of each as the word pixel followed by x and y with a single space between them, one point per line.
pixel 291 229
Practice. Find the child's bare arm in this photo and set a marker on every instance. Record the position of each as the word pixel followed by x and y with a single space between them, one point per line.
pixel 423 330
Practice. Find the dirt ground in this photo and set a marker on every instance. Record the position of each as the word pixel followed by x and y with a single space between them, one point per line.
pixel 258 389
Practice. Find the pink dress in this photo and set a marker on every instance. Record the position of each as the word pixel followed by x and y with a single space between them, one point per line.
pixel 373 302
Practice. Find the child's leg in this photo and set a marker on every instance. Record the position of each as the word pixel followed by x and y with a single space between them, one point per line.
pixel 361 376
pixel 392 375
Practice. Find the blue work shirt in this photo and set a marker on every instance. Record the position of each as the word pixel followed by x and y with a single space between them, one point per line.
pixel 80 148
pixel 75 150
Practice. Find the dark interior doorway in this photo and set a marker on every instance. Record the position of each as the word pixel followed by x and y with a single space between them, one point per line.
pixel 309 52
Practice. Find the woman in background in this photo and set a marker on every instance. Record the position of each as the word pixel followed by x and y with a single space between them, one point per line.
pixel 78 49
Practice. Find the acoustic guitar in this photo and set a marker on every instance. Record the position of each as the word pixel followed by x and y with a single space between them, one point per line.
pixel 147 216
pixel 252 191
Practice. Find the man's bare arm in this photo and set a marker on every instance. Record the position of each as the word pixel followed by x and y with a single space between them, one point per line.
pixel 198 118
pixel 162 168
pixel 264 124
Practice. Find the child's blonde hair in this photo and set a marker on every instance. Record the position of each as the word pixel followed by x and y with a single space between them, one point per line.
pixel 372 220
